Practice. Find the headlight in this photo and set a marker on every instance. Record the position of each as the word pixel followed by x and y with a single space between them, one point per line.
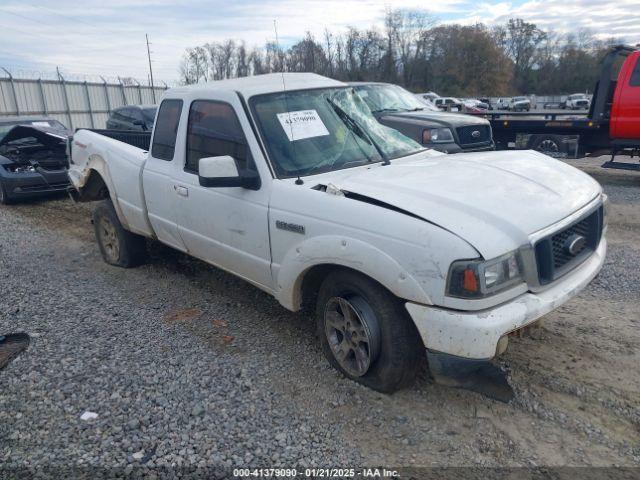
pixel 479 278
pixel 437 135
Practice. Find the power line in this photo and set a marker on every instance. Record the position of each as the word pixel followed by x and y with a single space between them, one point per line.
pixel 50 35
pixel 73 19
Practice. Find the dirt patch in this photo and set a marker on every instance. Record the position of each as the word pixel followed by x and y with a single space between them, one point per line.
pixel 188 314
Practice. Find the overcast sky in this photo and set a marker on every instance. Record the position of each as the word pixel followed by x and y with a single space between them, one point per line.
pixel 107 37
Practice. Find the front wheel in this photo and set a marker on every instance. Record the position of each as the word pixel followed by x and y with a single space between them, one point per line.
pixel 366 333
pixel 118 246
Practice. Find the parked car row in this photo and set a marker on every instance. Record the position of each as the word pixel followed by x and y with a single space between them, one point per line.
pixel 515 104
pixel 576 101
pixel 453 104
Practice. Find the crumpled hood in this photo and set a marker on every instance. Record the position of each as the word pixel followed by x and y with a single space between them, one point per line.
pixel 47 136
pixel 49 152
pixel 493 200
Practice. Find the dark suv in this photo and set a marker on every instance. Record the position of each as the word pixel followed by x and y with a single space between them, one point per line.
pixel 397 108
pixel 133 117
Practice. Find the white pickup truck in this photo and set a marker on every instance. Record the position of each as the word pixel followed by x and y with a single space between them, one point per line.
pixel 289 182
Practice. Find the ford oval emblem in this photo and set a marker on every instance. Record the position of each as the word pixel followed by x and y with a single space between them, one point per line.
pixel 475 134
pixel 574 244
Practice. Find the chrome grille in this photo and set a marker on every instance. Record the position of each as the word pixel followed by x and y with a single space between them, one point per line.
pixel 554 258
pixel 468 136
pixel 560 255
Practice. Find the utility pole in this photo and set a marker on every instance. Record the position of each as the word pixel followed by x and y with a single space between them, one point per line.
pixel 153 90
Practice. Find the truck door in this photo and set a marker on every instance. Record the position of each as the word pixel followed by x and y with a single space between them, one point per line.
pixel 158 172
pixel 227 227
pixel 625 112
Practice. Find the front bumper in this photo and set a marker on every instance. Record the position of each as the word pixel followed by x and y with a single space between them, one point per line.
pixel 476 334
pixel 33 184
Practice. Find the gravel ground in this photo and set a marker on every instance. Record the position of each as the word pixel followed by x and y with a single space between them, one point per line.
pixel 187 366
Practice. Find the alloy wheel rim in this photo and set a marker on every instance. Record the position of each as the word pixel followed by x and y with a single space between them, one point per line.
pixel 109 239
pixel 548 146
pixel 352 333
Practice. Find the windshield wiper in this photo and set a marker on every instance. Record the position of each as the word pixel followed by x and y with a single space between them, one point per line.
pixel 356 129
pixel 382 110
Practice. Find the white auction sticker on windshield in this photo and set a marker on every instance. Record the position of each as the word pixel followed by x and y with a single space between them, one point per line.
pixel 302 124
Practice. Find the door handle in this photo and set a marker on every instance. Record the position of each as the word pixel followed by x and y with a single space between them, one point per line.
pixel 182 191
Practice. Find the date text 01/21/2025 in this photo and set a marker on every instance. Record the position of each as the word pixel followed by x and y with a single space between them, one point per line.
pixel 315 473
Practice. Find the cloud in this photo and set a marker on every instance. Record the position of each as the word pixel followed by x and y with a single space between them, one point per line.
pixel 604 19
pixel 108 38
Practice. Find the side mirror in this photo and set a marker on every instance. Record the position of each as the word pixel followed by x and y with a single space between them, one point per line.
pixel 222 172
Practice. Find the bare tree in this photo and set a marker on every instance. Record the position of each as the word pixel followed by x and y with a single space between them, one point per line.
pixel 412 51
pixel 521 41
pixel 406 32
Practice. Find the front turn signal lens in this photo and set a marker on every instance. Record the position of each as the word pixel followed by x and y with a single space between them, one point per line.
pixel 470 282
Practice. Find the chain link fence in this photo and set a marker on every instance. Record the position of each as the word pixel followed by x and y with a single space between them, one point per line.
pixel 77 104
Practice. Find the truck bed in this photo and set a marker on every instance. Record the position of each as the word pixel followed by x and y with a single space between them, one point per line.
pixel 136 139
pixel 121 170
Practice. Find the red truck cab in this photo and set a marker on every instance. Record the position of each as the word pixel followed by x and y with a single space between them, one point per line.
pixel 625 109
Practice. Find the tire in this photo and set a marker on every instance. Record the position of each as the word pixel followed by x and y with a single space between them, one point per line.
pixel 4 198
pixel 118 246
pixel 389 346
pixel 548 144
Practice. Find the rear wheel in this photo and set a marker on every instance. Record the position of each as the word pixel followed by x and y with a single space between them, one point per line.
pixel 366 333
pixel 118 246
pixel 548 144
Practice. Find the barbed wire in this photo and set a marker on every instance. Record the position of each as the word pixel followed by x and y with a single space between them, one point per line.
pixel 21 73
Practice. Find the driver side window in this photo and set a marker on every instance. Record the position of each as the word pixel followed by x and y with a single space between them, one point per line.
pixel 214 130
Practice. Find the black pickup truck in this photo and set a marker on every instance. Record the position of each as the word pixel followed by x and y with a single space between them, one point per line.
pixel 397 108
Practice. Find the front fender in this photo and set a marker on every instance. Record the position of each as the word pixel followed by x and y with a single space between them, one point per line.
pixel 347 252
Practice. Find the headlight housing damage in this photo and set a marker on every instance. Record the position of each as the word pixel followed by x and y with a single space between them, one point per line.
pixel 482 278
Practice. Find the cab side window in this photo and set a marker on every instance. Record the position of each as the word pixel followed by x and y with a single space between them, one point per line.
pixel 213 131
pixel 167 121
pixel 635 75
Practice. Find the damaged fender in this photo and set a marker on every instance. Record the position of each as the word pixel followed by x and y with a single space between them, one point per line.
pixel 128 200
pixel 347 252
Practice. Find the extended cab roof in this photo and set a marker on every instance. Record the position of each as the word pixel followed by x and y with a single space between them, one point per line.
pixel 260 84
